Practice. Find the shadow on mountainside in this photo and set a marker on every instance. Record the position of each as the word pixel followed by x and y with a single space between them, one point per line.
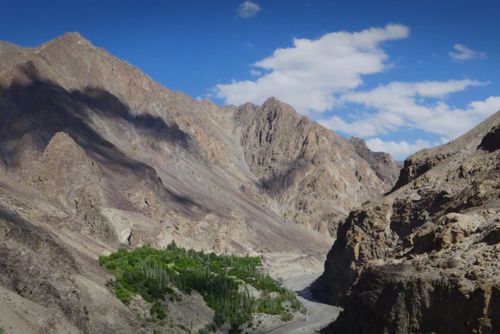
pixel 279 182
pixel 35 111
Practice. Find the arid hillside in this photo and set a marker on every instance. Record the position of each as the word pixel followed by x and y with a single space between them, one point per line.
pixel 95 155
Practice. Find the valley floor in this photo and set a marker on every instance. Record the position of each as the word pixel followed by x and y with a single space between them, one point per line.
pixel 318 314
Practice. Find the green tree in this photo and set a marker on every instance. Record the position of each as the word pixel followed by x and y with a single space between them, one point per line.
pixel 222 280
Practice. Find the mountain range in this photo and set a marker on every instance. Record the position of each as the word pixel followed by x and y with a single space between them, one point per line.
pixel 95 155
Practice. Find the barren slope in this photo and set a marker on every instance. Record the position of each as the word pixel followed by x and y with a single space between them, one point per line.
pixel 95 155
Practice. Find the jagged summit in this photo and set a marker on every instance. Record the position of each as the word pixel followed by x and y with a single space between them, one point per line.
pixel 72 35
pixel 275 106
pixel 69 39
pixel 274 102
pixel 270 103
pixel 303 165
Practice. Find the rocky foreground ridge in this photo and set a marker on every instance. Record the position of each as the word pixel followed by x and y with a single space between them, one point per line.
pixel 95 155
pixel 426 257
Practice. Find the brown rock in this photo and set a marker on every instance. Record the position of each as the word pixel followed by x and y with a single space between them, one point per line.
pixel 424 258
pixel 382 163
pixel 315 176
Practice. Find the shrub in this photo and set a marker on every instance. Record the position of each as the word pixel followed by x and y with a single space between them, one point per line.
pixel 157 311
pixel 286 316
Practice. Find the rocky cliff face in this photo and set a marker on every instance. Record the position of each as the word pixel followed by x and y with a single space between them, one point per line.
pixel 382 163
pixel 425 257
pixel 95 155
pixel 314 176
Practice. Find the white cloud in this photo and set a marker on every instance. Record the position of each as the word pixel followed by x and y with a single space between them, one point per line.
pixel 418 105
pixel 486 107
pixel 308 74
pixel 248 9
pixel 255 72
pixel 463 53
pixel 324 74
pixel 398 149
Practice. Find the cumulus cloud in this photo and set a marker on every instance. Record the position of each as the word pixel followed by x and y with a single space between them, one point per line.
pixel 398 149
pixel 486 107
pixel 248 9
pixel 418 105
pixel 463 53
pixel 309 74
pixel 322 76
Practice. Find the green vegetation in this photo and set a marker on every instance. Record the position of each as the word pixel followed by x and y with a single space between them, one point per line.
pixel 222 280
pixel 1 331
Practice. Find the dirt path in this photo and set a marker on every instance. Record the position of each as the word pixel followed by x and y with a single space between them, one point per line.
pixel 318 314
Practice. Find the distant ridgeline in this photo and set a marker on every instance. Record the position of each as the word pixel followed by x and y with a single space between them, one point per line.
pixel 222 280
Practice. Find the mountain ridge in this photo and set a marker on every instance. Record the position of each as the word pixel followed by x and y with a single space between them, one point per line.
pixel 99 156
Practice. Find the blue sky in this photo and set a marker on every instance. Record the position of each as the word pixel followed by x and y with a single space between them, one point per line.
pixel 402 74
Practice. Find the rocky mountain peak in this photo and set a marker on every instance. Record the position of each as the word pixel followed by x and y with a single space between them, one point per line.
pixel 278 109
pixel 299 162
pixel 69 39
pixel 274 103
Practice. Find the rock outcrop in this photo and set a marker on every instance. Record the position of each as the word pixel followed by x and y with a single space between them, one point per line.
pixel 425 258
pixel 382 163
